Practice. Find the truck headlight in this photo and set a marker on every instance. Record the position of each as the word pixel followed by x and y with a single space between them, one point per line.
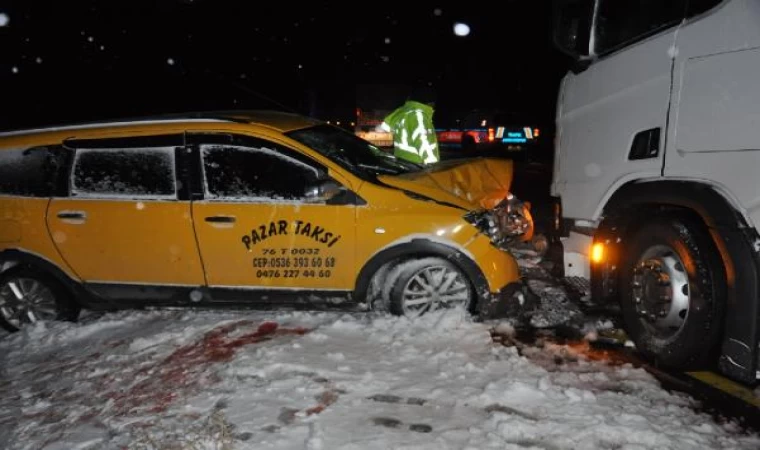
pixel 510 220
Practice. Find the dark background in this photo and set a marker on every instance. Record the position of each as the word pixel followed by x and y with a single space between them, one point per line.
pixel 75 61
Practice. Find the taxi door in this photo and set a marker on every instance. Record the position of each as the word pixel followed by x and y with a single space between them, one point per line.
pixel 124 221
pixel 270 217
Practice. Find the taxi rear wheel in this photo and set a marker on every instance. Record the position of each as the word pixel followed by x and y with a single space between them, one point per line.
pixel 429 284
pixel 28 296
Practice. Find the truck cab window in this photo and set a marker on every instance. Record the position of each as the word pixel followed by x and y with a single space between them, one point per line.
pixel 623 22
pixel 572 26
pixel 697 7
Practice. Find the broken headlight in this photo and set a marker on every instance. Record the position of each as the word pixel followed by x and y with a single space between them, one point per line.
pixel 508 221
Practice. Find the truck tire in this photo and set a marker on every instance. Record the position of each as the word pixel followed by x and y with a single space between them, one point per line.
pixel 673 292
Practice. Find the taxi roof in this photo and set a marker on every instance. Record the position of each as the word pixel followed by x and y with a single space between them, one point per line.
pixel 279 120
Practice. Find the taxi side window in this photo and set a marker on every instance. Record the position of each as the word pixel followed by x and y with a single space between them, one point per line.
pixel 27 172
pixel 245 172
pixel 132 172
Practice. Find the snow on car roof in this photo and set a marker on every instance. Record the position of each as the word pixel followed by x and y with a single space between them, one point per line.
pixel 281 120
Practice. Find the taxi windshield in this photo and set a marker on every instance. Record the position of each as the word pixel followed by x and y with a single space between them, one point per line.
pixel 351 152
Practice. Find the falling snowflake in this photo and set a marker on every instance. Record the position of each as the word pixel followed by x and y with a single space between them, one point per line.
pixel 14 69
pixel 4 19
pixel 387 40
pixel 170 61
pixel 38 60
pixel 102 47
pixel 437 12
pixel 91 39
pixel 461 29
pixel 385 58
pixel 300 66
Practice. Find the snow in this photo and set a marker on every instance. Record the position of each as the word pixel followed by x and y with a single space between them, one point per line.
pixel 4 19
pixel 318 380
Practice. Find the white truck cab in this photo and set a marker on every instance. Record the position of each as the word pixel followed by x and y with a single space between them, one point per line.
pixel 657 157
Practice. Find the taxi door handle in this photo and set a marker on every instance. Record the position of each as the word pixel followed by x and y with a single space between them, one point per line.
pixel 72 217
pixel 221 219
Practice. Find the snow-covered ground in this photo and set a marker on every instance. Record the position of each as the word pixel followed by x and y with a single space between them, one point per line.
pixel 303 380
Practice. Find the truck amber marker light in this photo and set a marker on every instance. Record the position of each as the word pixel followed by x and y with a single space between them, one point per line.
pixel 597 253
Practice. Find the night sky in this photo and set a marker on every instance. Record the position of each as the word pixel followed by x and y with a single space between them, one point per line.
pixel 85 60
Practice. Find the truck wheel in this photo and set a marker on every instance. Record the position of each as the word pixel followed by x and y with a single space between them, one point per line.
pixel 673 290
pixel 428 284
pixel 28 295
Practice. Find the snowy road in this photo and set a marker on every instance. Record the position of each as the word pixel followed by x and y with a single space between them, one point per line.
pixel 295 380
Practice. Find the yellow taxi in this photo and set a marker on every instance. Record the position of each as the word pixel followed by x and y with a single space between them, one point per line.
pixel 244 208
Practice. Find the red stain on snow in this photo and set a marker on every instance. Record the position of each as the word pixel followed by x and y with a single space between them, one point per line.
pixel 326 399
pixel 186 369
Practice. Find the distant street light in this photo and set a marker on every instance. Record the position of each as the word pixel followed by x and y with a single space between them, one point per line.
pixel 461 29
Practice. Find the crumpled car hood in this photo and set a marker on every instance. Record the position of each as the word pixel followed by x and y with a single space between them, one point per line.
pixel 467 183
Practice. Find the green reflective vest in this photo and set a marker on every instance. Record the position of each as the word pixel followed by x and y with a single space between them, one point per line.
pixel 414 137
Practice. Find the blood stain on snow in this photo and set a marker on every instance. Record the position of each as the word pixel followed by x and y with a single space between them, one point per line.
pixel 326 399
pixel 183 370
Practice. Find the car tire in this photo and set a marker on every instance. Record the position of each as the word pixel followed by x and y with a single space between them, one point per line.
pixel 29 295
pixel 673 292
pixel 427 284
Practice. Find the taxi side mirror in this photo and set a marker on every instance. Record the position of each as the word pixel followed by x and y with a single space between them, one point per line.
pixel 322 191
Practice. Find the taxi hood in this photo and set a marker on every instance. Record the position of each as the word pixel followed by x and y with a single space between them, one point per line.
pixel 467 183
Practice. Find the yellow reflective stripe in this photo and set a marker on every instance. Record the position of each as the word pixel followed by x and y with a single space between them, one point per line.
pixel 730 387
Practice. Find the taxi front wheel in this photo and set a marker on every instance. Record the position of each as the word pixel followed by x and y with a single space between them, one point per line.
pixel 28 296
pixel 428 284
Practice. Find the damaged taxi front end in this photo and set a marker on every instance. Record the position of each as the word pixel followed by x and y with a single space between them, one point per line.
pixel 482 187
pixel 453 218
